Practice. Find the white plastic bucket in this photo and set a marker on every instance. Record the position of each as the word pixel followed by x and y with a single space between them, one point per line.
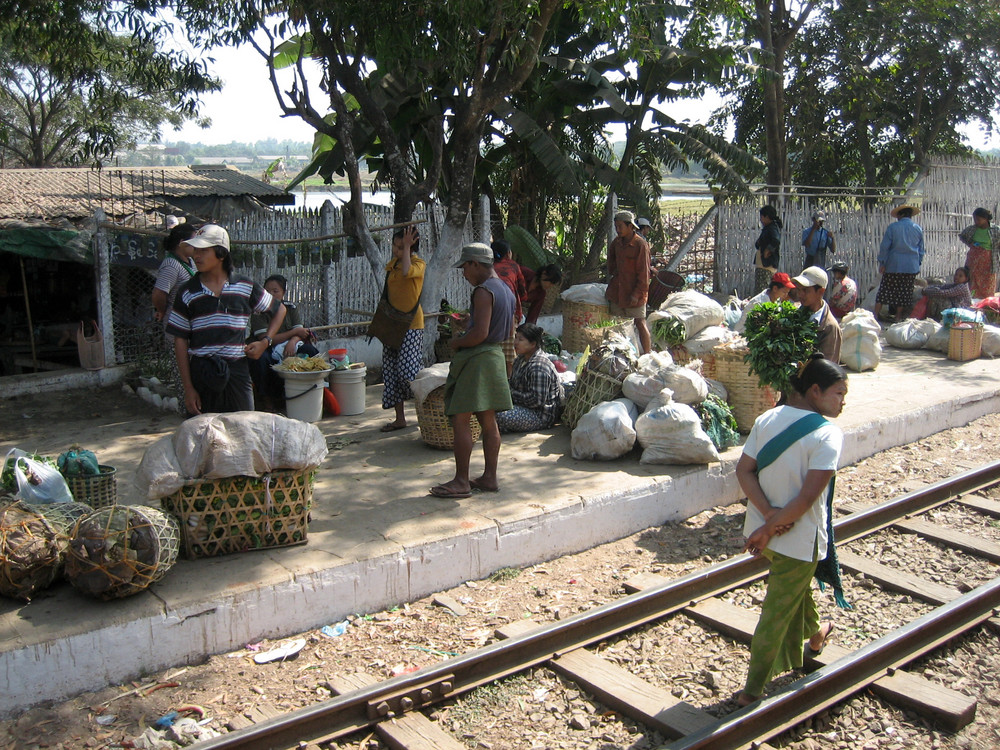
pixel 304 394
pixel 349 388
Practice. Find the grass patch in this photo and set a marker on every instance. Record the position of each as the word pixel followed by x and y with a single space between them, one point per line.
pixel 505 574
pixel 490 701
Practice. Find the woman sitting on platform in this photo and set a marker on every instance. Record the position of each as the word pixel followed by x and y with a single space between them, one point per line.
pixel 534 385
pixel 943 296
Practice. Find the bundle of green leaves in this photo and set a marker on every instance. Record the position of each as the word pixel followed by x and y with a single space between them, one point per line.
pixel 670 331
pixel 779 336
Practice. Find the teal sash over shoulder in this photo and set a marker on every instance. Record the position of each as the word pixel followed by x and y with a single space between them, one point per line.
pixel 828 569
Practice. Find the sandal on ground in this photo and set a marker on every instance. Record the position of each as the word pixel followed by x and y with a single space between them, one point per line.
pixel 477 485
pixel 447 492
pixel 744 699
pixel 826 628
pixel 391 427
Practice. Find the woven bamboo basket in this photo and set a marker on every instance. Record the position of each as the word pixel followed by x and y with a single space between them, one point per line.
pixel 97 490
pixel 238 514
pixel 592 388
pixel 120 550
pixel 965 342
pixel 442 350
pixel 551 299
pixel 435 425
pixel 747 399
pixel 31 551
pixel 576 317
pixel 683 357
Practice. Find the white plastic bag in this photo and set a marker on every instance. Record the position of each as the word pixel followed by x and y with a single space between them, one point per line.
pixel 696 311
pixel 671 433
pixel 606 432
pixel 38 482
pixel 689 387
pixel 939 340
pixel 991 341
pixel 860 349
pixel 590 294
pixel 641 388
pixel 707 339
pixel 910 334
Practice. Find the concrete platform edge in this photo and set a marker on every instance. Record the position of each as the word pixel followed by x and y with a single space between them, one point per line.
pixel 120 651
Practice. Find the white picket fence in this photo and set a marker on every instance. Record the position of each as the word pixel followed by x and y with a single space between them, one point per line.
pixel 947 196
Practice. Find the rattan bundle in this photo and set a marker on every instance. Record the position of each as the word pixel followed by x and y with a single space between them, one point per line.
pixel 746 396
pixel 31 551
pixel 577 317
pixel 96 490
pixel 591 389
pixel 435 425
pixel 120 550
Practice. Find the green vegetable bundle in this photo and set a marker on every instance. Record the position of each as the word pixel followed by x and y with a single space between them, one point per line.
pixel 779 336
pixel 670 331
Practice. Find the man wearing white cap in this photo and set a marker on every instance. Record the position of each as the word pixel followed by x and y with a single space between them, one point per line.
pixel 811 286
pixel 209 324
pixel 628 275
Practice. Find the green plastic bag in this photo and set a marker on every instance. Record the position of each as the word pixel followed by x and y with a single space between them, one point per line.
pixel 77 462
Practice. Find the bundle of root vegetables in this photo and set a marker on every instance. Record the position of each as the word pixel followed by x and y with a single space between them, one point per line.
pixel 33 542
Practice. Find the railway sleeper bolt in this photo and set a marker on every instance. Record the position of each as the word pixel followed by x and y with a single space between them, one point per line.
pixel 446 687
pixel 406 703
pixel 426 695
pixel 382 709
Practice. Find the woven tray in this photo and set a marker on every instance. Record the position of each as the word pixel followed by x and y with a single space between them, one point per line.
pixel 435 425
pixel 576 317
pixel 97 490
pixel 591 389
pixel 238 514
pixel 747 399
pixel 965 344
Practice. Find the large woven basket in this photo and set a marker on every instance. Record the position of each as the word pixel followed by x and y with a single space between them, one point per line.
pixel 435 425
pixel 591 389
pixel 576 317
pixel 965 342
pixel 238 514
pixel 551 299
pixel 746 397
pixel 509 354
pixel 96 490
pixel 682 357
pixel 120 550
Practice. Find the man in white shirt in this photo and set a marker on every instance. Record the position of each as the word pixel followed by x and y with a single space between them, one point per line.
pixel 810 287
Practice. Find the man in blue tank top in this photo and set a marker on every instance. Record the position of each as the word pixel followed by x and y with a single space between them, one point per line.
pixel 477 379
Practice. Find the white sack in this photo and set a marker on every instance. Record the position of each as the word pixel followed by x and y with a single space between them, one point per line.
pixel 215 446
pixel 672 434
pixel 910 334
pixel 715 388
pixel 707 339
pixel 641 388
pixel 689 387
pixel 590 294
pixel 939 340
pixel 428 379
pixel 861 348
pixel 991 341
pixel 650 363
pixel 606 432
pixel 694 309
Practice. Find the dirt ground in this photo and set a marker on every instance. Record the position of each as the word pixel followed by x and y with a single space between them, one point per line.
pixel 539 710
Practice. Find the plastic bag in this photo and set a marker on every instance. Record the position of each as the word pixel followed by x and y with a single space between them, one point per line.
pixel 77 462
pixel 910 334
pixel 860 349
pixel 606 432
pixel 40 483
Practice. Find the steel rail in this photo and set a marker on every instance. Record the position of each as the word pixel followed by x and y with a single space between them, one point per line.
pixel 362 708
pixel 828 685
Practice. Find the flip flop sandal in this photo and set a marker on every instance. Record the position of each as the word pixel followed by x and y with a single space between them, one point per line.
pixel 392 427
pixel 286 650
pixel 440 491
pixel 476 486
pixel 826 638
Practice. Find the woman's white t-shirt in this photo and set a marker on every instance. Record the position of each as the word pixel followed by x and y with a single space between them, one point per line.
pixel 782 480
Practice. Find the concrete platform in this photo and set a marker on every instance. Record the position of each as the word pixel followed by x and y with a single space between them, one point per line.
pixel 377 538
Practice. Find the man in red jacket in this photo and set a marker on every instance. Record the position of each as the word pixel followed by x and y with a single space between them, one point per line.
pixel 628 275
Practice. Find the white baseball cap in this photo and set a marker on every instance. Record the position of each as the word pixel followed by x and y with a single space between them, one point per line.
pixel 210 235
pixel 812 276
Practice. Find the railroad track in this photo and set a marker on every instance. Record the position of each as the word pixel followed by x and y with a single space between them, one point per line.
pixel 393 708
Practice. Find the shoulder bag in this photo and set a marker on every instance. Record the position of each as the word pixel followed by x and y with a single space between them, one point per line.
pixel 390 325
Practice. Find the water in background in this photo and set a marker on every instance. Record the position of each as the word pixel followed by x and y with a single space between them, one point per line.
pixel 316 197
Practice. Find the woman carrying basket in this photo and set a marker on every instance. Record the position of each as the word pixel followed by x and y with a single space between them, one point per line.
pixel 787 470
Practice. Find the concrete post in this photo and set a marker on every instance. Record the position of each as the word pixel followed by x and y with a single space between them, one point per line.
pixel 102 274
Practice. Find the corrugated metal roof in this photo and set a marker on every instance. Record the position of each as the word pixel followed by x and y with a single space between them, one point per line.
pixel 77 192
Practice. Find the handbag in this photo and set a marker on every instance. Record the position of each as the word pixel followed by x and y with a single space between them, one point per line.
pixel 390 325
pixel 90 348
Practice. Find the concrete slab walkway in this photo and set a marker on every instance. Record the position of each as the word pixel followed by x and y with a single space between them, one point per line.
pixel 377 538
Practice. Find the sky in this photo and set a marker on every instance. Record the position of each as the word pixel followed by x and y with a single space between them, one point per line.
pixel 246 109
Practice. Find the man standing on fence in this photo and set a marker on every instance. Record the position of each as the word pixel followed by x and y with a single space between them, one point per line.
pixel 209 324
pixel 628 275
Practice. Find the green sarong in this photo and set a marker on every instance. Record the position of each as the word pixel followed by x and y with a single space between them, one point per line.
pixel 788 618
pixel 477 381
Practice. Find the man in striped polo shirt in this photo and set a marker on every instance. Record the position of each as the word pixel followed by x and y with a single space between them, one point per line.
pixel 209 324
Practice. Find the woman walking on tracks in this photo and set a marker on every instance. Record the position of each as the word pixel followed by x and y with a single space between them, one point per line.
pixel 787 471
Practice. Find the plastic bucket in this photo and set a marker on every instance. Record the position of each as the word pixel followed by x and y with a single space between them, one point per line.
pixel 304 394
pixel 349 388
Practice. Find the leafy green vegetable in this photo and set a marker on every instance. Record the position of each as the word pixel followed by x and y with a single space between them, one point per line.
pixel 779 336
pixel 671 331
